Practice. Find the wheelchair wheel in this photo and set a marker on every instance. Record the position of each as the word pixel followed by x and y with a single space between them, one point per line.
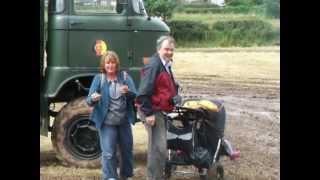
pixel 203 174
pixel 168 171
pixel 216 172
pixel 204 177
pixel 220 171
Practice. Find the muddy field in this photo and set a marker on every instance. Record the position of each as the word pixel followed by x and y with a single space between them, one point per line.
pixel 248 81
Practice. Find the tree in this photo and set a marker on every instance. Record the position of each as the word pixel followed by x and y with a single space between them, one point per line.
pixel 161 8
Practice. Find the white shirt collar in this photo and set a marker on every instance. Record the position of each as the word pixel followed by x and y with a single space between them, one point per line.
pixel 165 64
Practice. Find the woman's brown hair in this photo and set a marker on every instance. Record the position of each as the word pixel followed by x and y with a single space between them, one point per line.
pixel 107 57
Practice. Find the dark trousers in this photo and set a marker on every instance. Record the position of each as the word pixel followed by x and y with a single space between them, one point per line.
pixel 157 148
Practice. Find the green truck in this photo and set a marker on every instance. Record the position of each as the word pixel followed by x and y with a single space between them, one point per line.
pixel 72 39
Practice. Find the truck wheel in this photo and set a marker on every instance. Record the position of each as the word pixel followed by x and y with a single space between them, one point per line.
pixel 74 137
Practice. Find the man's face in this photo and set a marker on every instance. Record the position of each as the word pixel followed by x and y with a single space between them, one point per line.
pixel 166 50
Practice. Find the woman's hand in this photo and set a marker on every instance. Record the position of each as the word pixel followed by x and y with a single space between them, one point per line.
pixel 95 97
pixel 124 89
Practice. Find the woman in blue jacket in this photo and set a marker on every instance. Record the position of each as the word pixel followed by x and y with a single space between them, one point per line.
pixel 112 93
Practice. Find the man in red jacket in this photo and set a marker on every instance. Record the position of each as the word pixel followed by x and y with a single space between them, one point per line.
pixel 157 92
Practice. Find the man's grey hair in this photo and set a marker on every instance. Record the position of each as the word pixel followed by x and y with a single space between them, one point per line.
pixel 162 39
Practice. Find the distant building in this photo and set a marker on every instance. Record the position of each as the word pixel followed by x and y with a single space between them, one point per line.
pixel 217 2
pixel 193 1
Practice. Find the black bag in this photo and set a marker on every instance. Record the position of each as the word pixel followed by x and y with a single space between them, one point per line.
pixel 201 157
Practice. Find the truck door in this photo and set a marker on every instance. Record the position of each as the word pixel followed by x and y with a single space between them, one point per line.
pixel 145 32
pixel 96 24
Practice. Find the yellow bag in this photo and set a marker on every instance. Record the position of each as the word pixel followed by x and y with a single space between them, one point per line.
pixel 205 104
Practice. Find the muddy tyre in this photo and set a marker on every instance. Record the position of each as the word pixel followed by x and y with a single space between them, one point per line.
pixel 74 137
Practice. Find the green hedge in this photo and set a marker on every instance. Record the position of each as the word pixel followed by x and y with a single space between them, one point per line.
pixel 239 2
pixel 216 10
pixel 225 33
pixel 243 33
pixel 188 30
pixel 243 2
pixel 202 5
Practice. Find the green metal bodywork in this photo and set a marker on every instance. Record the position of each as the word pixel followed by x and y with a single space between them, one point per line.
pixel 72 37
pixel 71 40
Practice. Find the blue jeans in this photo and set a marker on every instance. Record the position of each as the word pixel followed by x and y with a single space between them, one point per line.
pixel 110 137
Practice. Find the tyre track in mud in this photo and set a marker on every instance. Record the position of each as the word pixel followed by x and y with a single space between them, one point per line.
pixel 253 125
pixel 217 86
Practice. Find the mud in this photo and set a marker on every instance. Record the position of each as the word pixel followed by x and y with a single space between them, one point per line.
pixel 253 122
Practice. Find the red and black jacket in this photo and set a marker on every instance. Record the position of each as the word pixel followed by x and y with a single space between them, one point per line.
pixel 157 88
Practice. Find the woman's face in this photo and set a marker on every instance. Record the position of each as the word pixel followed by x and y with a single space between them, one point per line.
pixel 111 66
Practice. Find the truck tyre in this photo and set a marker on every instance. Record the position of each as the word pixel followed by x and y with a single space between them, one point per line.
pixel 74 137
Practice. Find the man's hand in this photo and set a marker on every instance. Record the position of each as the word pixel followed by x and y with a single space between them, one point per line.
pixel 151 120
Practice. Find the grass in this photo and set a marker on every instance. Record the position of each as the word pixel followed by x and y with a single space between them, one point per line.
pixel 229 65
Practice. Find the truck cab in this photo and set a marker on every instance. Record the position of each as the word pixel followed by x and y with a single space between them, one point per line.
pixel 77 33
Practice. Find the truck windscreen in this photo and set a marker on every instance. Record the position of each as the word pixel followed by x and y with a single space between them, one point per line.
pixel 56 6
pixel 138 7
